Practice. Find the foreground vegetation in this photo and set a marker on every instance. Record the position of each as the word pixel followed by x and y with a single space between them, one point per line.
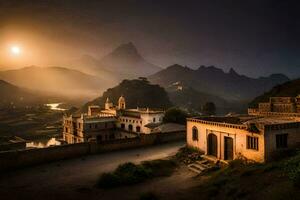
pixel 242 180
pixel 130 173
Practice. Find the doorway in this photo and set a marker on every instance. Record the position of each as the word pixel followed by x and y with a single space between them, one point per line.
pixel 228 148
pixel 212 145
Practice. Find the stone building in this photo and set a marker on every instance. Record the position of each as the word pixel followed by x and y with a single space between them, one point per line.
pixel 254 138
pixel 112 122
pixel 287 105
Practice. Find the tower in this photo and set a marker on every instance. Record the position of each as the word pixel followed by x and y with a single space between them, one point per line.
pixel 122 103
pixel 108 104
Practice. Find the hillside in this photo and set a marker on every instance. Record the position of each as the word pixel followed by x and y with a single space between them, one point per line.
pixel 124 62
pixel 230 86
pixel 288 89
pixel 138 93
pixel 275 180
pixel 56 80
pixel 11 95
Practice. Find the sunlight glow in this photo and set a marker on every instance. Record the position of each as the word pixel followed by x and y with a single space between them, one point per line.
pixel 15 50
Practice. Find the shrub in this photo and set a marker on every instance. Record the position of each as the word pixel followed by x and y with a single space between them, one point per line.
pixel 292 168
pixel 160 167
pixel 130 173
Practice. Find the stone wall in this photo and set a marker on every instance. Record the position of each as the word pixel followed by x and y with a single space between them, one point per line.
pixel 10 160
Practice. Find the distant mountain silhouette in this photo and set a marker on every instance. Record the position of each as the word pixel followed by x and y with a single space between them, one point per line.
pixel 11 95
pixel 56 80
pixel 137 92
pixel 288 89
pixel 123 62
pixel 215 81
pixel 126 60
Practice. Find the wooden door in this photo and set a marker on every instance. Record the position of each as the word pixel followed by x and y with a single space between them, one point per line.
pixel 228 148
pixel 212 145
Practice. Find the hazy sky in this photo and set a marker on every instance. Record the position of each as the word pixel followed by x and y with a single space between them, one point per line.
pixel 254 37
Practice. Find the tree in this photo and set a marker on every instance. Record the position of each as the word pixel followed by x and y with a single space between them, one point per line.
pixel 175 115
pixel 209 108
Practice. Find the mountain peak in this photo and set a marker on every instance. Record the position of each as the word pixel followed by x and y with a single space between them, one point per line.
pixel 233 72
pixel 127 50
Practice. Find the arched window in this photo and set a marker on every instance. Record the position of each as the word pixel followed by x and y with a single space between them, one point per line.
pixel 195 133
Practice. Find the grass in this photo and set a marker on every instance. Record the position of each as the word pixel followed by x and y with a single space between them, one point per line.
pixel 242 180
pixel 130 173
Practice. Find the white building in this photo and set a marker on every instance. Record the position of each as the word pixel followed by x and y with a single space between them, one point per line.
pixel 110 123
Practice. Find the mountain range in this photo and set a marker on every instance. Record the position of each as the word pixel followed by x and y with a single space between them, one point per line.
pixel 12 95
pixel 56 80
pixel 87 77
pixel 230 86
pixel 124 62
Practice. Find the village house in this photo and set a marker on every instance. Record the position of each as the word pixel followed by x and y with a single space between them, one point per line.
pixel 252 137
pixel 112 122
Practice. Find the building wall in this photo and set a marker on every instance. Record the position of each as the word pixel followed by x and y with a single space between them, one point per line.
pixel 239 137
pixel 145 118
pixel 293 140
pixel 264 107
pixel 126 121
pixel 150 118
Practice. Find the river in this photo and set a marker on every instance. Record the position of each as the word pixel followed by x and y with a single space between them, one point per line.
pixel 55 106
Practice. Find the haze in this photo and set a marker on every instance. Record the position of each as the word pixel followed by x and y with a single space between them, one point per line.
pixel 255 37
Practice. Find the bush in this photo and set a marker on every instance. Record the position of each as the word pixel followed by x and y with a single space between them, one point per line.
pixel 292 168
pixel 175 115
pixel 130 173
pixel 160 167
pixel 188 155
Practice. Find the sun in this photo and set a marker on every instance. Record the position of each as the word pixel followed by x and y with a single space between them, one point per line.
pixel 15 50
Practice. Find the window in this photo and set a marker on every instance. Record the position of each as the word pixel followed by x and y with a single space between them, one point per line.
pixel 122 126
pixel 154 119
pixel 195 134
pixel 130 127
pixel 138 129
pixel 252 142
pixel 281 141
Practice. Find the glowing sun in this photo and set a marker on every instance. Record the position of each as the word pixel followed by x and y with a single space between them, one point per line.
pixel 15 50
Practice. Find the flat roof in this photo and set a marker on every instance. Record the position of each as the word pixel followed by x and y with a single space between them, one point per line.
pixel 241 120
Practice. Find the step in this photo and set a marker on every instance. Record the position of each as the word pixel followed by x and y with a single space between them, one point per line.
pixel 194 169
pixel 202 162
pixel 198 168
pixel 210 158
